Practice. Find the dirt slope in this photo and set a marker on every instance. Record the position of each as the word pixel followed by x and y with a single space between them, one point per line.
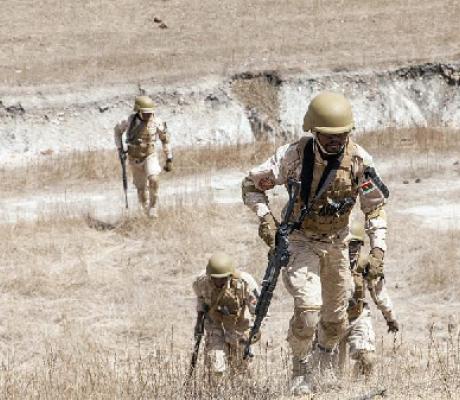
pixel 94 42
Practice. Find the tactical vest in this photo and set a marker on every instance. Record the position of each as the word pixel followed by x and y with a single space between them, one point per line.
pixel 141 143
pixel 343 186
pixel 227 305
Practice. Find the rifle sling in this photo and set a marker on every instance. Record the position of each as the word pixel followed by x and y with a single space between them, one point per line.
pixel 306 175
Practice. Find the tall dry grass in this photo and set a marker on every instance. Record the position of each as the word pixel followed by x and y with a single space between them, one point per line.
pixel 103 165
pixel 413 152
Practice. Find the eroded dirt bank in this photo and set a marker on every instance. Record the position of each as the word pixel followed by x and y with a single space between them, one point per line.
pixel 241 109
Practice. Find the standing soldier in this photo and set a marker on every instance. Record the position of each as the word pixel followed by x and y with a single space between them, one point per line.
pixel 333 172
pixel 142 131
pixel 226 299
pixel 362 337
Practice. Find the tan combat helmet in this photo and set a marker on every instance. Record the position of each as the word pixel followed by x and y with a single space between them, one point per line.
pixel 221 265
pixel 356 231
pixel 329 113
pixel 144 105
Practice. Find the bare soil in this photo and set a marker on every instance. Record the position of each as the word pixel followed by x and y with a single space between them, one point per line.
pixel 98 42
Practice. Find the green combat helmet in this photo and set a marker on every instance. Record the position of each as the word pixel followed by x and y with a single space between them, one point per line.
pixel 357 231
pixel 220 265
pixel 144 105
pixel 329 113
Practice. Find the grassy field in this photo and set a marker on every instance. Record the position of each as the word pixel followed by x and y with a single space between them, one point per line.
pixel 97 42
pixel 100 311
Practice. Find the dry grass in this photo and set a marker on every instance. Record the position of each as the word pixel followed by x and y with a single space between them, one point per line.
pixel 102 166
pixel 107 313
pixel 97 42
pixel 420 149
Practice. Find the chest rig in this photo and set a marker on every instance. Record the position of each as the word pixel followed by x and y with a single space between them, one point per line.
pixel 141 143
pixel 329 191
pixel 227 305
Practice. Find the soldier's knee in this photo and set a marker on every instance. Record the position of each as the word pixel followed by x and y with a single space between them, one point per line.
pixel 216 361
pixel 304 323
pixel 330 333
pixel 153 181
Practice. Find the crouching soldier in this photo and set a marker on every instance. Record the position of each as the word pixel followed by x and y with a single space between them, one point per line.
pixel 361 339
pixel 226 298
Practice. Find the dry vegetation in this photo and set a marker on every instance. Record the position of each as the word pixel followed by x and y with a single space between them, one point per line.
pixel 105 311
pixel 95 42
pixel 102 166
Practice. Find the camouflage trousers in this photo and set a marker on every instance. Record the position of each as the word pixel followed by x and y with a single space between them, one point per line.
pixel 145 179
pixel 318 278
pixel 224 349
pixel 362 335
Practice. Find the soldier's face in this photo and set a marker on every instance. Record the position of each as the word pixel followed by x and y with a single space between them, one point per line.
pixel 146 116
pixel 332 143
pixel 219 282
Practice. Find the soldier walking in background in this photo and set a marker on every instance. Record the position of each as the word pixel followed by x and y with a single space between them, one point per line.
pixel 362 337
pixel 226 299
pixel 333 172
pixel 142 131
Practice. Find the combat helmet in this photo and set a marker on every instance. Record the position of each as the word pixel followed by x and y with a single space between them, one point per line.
pixel 144 104
pixel 329 113
pixel 356 231
pixel 221 265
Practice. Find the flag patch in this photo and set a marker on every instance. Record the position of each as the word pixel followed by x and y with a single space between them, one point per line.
pixel 368 187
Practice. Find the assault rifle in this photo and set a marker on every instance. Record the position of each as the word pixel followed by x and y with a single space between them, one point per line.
pixel 277 259
pixel 199 333
pixel 122 157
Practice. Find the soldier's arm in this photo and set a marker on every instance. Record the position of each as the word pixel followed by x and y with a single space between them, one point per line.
pixel 373 195
pixel 163 134
pixel 382 299
pixel 118 131
pixel 265 177
pixel 200 304
pixel 252 292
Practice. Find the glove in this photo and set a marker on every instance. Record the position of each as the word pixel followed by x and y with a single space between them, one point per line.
pixel 169 165
pixel 267 229
pixel 375 264
pixel 393 325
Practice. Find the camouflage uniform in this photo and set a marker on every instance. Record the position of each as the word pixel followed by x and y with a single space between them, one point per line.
pixel 319 251
pixel 229 312
pixel 361 339
pixel 143 159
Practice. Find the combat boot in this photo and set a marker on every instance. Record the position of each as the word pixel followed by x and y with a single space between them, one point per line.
pixel 300 385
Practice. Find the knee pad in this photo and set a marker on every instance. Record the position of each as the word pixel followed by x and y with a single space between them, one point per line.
pixel 153 182
pixel 304 322
pixel 330 333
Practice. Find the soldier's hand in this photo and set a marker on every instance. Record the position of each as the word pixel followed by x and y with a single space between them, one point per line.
pixel 169 165
pixel 375 264
pixel 267 229
pixel 393 325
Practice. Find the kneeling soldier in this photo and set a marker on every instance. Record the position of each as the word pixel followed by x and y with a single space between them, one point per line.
pixel 227 297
